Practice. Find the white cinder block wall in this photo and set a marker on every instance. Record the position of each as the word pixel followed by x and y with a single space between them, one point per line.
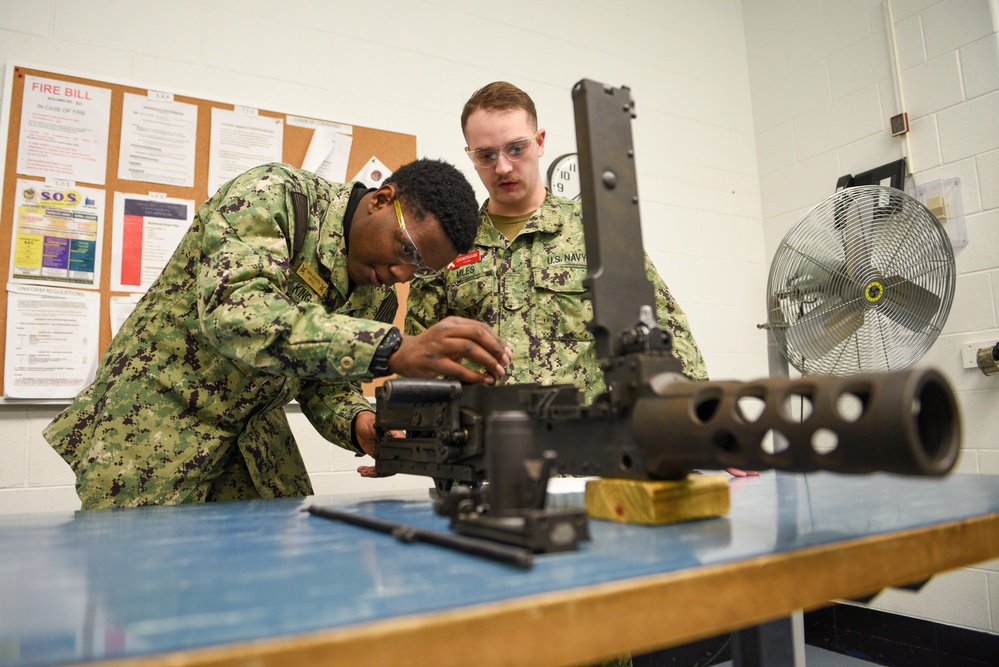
pixel 823 88
pixel 715 128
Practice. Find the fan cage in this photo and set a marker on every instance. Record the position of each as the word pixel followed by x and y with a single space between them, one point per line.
pixel 862 283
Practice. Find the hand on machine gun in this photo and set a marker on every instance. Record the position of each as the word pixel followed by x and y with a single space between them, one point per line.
pixel 437 351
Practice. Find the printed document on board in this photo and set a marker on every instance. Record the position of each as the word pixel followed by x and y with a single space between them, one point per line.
pixel 52 341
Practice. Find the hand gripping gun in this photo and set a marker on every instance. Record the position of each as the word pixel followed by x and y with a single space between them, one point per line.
pixel 492 449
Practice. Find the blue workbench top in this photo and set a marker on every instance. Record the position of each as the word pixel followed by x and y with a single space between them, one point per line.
pixel 116 583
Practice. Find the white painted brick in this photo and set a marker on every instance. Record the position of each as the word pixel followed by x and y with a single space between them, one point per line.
pixel 859 65
pixel 839 26
pixel 868 152
pixel 902 9
pixel 734 238
pixel 37 500
pixel 909 44
pixel 958 597
pixel 966 463
pixel 982 251
pixel 64 54
pixel 967 312
pixel 933 85
pixel 776 228
pixel 842 121
pixel 315 449
pixel 709 103
pixel 801 91
pixel 740 367
pixel 766 63
pixel 970 128
pixel 924 142
pixel 982 431
pixel 980 66
pixel 801 186
pixel 688 278
pixel 994 279
pixel 988 464
pixel 769 20
pixel 14 457
pixel 341 483
pixel 125 27
pixel 949 25
pixel 670 229
pixel 46 467
pixel 231 50
pixel 29 16
pixel 718 146
pixel 988 178
pixel 730 328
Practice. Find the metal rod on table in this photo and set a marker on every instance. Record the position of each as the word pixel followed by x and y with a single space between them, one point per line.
pixel 510 555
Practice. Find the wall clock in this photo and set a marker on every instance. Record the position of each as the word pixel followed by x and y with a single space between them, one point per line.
pixel 563 176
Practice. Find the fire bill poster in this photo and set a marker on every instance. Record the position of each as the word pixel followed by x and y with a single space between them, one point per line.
pixel 57 235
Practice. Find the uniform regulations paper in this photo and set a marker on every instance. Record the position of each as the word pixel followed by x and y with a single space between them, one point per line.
pixel 52 341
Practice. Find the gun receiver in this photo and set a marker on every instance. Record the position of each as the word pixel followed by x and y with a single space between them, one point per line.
pixel 491 450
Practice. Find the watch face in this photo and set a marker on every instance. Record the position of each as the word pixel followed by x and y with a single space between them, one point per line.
pixel 563 176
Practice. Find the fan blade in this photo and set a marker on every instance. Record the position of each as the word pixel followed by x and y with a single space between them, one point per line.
pixel 910 305
pixel 825 327
pixel 855 246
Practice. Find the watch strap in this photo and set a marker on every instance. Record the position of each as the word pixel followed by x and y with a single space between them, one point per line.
pixel 379 360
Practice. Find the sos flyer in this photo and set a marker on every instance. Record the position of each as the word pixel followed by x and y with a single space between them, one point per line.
pixel 57 235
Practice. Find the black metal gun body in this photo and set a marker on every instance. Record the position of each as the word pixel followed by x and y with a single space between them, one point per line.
pixel 491 450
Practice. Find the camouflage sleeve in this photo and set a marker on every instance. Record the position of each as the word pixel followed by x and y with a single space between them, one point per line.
pixel 673 319
pixel 426 304
pixel 243 306
pixel 331 408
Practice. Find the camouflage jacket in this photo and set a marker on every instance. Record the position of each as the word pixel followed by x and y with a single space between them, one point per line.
pixel 188 401
pixel 530 290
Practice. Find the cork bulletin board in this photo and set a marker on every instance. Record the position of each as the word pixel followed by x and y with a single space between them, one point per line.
pixel 391 148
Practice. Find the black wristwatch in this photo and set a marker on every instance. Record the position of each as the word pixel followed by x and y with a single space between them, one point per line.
pixel 388 346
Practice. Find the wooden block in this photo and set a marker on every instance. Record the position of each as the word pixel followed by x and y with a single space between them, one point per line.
pixel 657 502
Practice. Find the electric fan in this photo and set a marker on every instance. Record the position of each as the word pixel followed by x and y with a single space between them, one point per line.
pixel 862 283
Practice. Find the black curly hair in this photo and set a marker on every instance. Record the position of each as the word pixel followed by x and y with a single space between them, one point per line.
pixel 438 188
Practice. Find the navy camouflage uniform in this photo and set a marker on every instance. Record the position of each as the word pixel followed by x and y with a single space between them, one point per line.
pixel 530 290
pixel 188 401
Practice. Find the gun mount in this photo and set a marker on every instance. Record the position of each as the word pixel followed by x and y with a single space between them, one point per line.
pixel 491 450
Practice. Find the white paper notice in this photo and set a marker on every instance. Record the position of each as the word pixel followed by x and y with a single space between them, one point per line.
pixel 328 153
pixel 57 235
pixel 373 174
pixel 157 141
pixel 145 232
pixel 121 308
pixel 52 341
pixel 241 141
pixel 64 130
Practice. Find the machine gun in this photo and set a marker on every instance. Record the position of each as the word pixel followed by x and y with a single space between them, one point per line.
pixel 492 449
